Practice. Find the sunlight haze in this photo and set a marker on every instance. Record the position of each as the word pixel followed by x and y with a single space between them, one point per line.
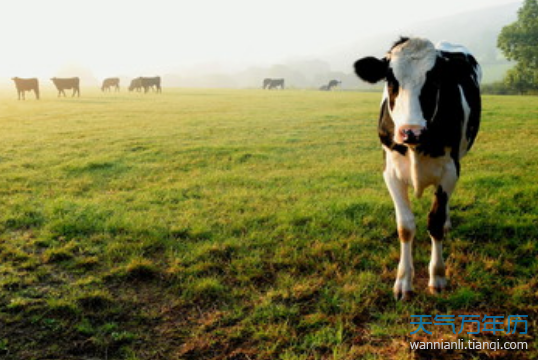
pixel 111 38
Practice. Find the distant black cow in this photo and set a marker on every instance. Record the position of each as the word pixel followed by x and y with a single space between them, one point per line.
pixel 266 83
pixel 67 84
pixel 150 82
pixel 24 85
pixel 331 85
pixel 273 84
pixel 136 84
pixel 109 83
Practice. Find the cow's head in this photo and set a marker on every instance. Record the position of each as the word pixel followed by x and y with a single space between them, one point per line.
pixel 412 85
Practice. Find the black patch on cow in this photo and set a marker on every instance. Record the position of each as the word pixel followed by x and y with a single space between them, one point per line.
pixel 437 215
pixel 463 68
pixel 386 131
pixel 442 109
pixel 371 69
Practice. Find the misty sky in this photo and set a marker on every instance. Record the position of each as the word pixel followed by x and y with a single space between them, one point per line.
pixel 117 37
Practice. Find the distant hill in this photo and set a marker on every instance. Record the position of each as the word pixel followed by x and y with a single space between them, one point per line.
pixel 477 30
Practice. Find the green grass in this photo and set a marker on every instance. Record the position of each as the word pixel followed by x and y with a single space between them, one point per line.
pixel 243 224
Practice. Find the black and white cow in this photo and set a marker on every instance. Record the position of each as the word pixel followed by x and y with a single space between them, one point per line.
pixel 430 115
pixel 63 84
pixel 24 85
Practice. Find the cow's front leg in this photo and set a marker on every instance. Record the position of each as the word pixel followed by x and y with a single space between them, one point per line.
pixel 403 287
pixel 438 226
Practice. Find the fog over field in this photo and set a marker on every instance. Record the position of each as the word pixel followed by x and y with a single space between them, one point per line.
pixel 235 43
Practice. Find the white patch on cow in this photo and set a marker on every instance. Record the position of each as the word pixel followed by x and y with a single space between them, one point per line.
pixel 425 171
pixel 418 170
pixel 452 48
pixel 410 62
pixel 385 97
pixel 464 143
pixel 406 270
pixel 397 179
pixel 437 280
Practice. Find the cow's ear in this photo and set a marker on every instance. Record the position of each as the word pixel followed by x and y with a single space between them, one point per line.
pixel 371 69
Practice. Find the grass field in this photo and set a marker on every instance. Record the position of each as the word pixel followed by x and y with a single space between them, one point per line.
pixel 242 224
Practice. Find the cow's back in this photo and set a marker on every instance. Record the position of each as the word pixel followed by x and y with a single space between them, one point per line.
pixel 66 83
pixel 26 84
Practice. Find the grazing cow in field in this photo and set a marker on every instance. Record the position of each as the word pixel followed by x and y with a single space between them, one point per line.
pixel 150 82
pixel 24 85
pixel 273 84
pixel 430 115
pixel 67 84
pixel 331 85
pixel 136 84
pixel 109 83
pixel 266 83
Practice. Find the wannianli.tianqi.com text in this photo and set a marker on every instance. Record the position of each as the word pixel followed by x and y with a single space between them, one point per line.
pixel 468 345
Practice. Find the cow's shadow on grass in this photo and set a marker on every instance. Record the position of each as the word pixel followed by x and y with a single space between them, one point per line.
pixel 470 223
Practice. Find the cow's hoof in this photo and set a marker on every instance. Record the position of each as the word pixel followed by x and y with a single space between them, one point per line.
pixel 403 295
pixel 435 290
pixel 437 286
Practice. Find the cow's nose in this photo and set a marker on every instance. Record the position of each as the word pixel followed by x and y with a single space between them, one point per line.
pixel 412 135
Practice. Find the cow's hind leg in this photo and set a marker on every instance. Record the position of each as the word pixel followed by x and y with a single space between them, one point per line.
pixel 438 226
pixel 403 287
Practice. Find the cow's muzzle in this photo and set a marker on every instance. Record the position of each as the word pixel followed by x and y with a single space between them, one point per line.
pixel 412 135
